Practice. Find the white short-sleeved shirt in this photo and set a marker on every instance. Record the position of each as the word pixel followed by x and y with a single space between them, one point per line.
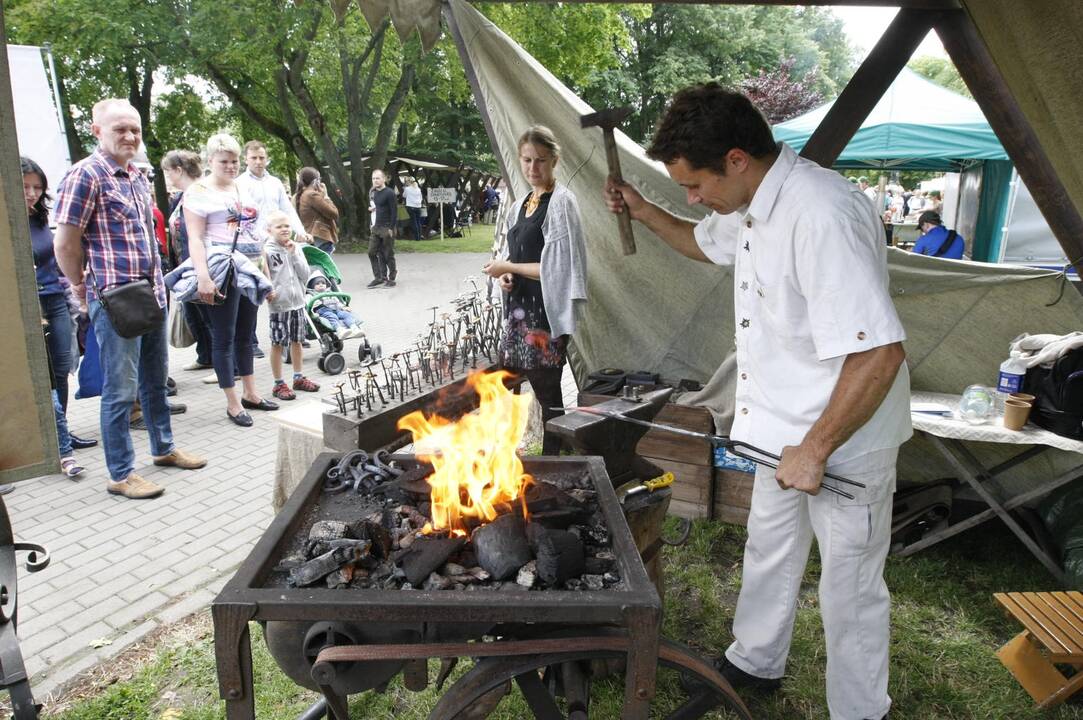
pixel 223 212
pixel 810 286
pixel 268 193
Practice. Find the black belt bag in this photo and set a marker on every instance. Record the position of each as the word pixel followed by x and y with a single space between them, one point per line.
pixel 132 308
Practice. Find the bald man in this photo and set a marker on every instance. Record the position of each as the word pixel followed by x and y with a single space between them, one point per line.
pixel 104 224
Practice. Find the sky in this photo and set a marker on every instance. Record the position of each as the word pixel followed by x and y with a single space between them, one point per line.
pixel 865 25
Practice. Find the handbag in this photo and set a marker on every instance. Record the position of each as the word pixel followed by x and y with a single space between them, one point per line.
pixel 132 308
pixel 227 278
pixel 180 335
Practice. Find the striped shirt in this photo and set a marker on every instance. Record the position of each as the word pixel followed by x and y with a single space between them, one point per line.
pixel 112 205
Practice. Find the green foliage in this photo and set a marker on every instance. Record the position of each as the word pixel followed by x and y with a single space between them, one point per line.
pixel 941 71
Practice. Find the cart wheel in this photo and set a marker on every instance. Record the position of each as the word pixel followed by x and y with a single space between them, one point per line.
pixel 376 352
pixel 490 673
pixel 319 364
pixel 334 363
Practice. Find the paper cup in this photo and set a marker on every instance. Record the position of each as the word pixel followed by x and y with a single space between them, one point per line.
pixel 1016 413
pixel 1025 397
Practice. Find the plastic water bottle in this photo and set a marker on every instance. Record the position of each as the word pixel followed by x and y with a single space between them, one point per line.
pixel 1010 381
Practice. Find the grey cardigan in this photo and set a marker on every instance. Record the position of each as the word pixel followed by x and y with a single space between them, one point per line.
pixel 563 259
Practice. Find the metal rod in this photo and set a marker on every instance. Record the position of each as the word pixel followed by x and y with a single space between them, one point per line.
pixel 750 453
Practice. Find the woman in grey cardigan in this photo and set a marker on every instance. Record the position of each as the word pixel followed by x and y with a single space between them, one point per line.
pixel 544 275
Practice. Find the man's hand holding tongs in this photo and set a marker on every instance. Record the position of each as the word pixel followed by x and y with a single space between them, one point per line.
pixel 800 468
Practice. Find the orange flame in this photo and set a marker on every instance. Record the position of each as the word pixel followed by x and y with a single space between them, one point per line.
pixel 476 466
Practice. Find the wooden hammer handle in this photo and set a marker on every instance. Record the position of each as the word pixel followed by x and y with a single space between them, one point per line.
pixel 624 220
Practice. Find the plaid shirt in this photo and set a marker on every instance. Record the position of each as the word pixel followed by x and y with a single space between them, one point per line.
pixel 113 207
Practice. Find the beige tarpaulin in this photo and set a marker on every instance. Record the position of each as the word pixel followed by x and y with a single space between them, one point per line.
pixel 1036 48
pixel 658 311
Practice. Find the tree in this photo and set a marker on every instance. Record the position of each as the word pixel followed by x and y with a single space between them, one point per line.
pixel 781 96
pixel 941 71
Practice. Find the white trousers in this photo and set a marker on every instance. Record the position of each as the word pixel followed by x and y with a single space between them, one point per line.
pixel 853 538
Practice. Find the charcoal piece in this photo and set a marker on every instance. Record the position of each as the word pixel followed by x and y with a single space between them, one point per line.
pixel 502 547
pixel 437 581
pixel 388 518
pixel 340 578
pixel 559 554
pixel 480 574
pixel 610 578
pixel 583 496
pixel 407 540
pixel 593 582
pixel 573 584
pixel 327 530
pixel 413 481
pixel 319 547
pixel 597 565
pixel 376 534
pixel 467 558
pixel 425 555
pixel 320 567
pixel 605 555
pixel 289 563
pixel 528 575
pixel 425 509
pixel 453 569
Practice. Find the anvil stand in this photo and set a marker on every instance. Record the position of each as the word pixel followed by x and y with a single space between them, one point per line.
pixel 13 676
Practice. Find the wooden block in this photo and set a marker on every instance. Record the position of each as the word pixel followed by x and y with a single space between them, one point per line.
pixel 732 515
pixel 669 446
pixel 690 481
pixel 685 509
pixel 733 488
pixel 1033 671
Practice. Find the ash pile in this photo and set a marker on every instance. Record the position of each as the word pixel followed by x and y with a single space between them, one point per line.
pixel 385 542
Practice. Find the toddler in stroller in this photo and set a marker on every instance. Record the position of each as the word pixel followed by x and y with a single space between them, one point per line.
pixel 330 320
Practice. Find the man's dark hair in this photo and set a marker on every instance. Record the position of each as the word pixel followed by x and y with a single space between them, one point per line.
pixel 929 216
pixel 704 122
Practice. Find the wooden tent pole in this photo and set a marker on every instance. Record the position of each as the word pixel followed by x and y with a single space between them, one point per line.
pixel 868 85
pixel 475 85
pixel 978 69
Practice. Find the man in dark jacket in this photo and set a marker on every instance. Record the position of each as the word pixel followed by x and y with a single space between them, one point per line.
pixel 382 239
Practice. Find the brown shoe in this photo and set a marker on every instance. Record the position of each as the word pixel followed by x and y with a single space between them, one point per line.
pixel 135 488
pixel 181 459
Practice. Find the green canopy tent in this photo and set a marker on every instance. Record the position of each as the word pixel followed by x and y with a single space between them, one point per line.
pixel 919 125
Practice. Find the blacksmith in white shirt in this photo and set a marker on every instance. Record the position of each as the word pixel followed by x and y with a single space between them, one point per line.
pixel 265 190
pixel 821 380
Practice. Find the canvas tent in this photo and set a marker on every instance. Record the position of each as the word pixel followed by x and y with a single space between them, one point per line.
pixel 659 311
pixel 916 125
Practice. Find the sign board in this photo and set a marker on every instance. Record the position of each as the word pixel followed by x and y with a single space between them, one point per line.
pixel 441 195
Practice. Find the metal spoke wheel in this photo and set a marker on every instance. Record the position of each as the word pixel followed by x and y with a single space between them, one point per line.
pixel 541 678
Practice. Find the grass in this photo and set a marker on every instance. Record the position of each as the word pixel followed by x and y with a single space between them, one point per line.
pixel 475 239
pixel 945 629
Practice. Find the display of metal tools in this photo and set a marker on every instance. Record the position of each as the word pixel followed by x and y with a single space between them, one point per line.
pixel 456 340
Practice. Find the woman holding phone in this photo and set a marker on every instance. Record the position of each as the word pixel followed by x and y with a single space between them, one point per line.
pixel 318 214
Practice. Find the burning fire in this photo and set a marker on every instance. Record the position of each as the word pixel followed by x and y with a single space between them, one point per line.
pixel 474 458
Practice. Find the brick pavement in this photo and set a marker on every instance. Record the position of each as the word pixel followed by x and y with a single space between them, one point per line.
pixel 122 568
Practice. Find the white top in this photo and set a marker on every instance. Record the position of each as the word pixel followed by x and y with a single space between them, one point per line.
pixel 223 210
pixel 268 193
pixel 810 286
pixel 412 194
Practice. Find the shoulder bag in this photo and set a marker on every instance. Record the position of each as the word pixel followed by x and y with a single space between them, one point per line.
pixel 132 308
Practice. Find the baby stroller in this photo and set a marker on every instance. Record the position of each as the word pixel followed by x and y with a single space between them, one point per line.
pixel 332 361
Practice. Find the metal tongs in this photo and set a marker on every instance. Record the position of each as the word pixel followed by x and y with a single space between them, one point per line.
pixel 736 447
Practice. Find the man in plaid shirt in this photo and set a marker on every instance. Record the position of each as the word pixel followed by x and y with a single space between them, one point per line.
pixel 103 216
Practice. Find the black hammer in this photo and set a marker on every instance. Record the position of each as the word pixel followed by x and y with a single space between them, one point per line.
pixel 607 120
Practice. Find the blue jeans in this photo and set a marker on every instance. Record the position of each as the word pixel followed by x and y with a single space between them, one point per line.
pixel 54 310
pixel 326 245
pixel 337 318
pixel 131 367
pixel 415 221
pixel 63 437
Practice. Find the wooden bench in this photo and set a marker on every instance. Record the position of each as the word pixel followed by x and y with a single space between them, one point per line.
pixel 1053 634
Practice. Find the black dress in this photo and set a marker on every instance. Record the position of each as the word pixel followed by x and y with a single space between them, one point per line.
pixel 527 344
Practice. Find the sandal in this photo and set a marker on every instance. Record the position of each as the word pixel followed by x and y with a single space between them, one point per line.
pixel 71 468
